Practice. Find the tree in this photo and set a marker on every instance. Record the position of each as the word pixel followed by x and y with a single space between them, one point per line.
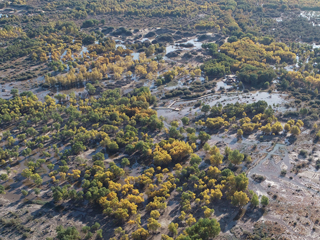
pixel 14 92
pixel 204 229
pixel 26 173
pixel 192 137
pixel 239 133
pixel 266 129
pixel 178 149
pixel 90 88
pixel 315 125
pixel 26 152
pixel 36 179
pixel 185 120
pixel 216 159
pixel 216 123
pixel 239 199
pixel 161 156
pixel 295 130
pixel 125 162
pixel 191 220
pixel 155 214
pixel 173 228
pixel 2 189
pixel 174 132
pixel 203 136
pixel 206 147
pixel 112 146
pixel 21 137
pixel 140 234
pixel 78 147
pixel 95 226
pixel 205 108
pixel 264 200
pixel 24 192
pixel 241 182
pixel 31 131
pixel 195 159
pixel 287 127
pixel 174 124
pixel 99 234
pixel 277 127
pixel 69 233
pixel 153 224
pixel 208 212
pixel 37 191
pixel 4 177
pixel 190 130
pixel 235 157
pixel 255 200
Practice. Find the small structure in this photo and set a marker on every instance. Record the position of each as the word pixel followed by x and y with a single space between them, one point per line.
pixel 230 79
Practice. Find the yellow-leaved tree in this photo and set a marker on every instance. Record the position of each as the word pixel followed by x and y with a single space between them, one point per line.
pixel 239 199
pixel 178 150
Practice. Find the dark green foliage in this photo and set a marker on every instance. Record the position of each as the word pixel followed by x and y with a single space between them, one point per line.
pixel 2 189
pixel 195 159
pixel 204 229
pixel 219 66
pixel 89 23
pixel 69 233
pixel 89 39
pixel 256 76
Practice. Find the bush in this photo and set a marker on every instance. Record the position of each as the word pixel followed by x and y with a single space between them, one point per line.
pixel 303 153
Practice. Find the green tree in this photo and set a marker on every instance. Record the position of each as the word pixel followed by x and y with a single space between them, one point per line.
pixel 203 136
pixel 264 200
pixel 174 124
pixel 14 92
pixel 205 108
pixel 24 192
pixel 153 224
pixel 78 147
pixel 204 229
pixel 112 146
pixel 235 157
pixel 90 88
pixel 125 162
pixel 255 200
pixel 95 226
pixel 174 132
pixel 195 159
pixel 99 234
pixel 31 132
pixel 2 189
pixel 4 177
pixel 185 120
pixel 192 137
pixel 69 233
